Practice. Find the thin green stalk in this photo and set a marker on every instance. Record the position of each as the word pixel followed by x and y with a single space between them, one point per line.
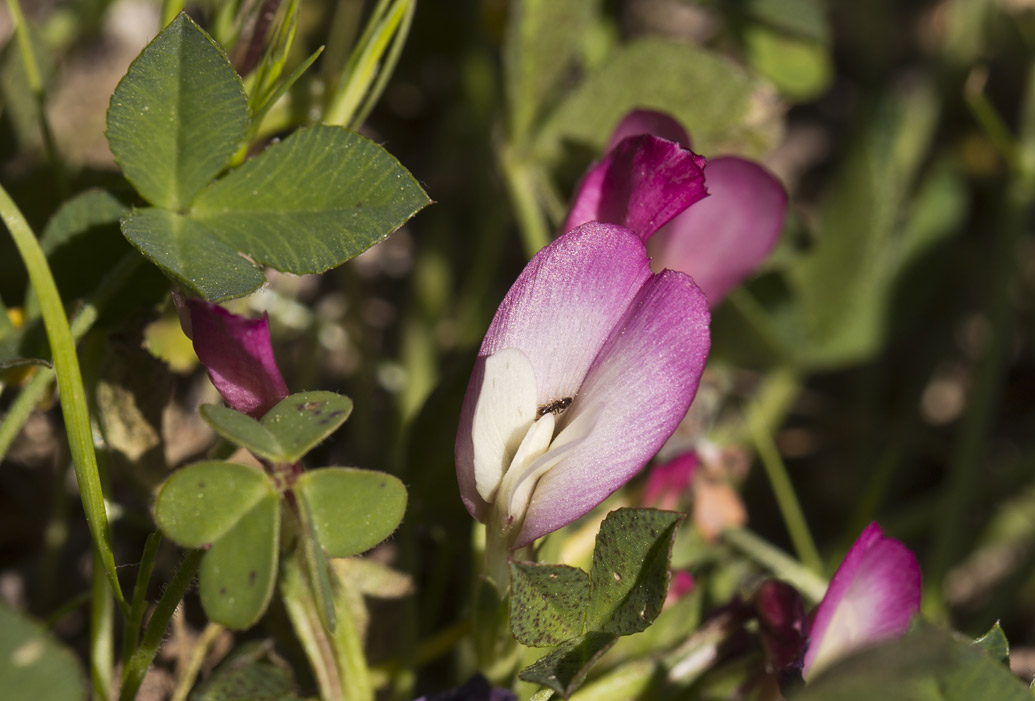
pixel 131 628
pixel 70 383
pixel 363 66
pixel 102 634
pixel 80 599
pixel 34 75
pixel 337 659
pixel 387 66
pixel 521 186
pixel 807 582
pixel 780 481
pixel 133 673
pixel 197 657
pixel 32 394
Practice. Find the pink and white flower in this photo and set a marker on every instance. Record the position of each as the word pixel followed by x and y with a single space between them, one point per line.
pixel 588 366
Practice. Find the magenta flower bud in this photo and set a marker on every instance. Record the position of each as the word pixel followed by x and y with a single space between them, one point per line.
pixel 781 623
pixel 238 354
pixel 873 596
pixel 649 177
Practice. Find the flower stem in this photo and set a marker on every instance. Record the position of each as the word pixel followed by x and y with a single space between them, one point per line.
pixel 807 582
pixel 521 185
pixel 133 673
pixel 776 471
pixel 337 659
pixel 70 383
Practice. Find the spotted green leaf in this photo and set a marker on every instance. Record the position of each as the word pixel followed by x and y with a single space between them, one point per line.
pixel 289 430
pixel 547 603
pixel 629 576
pixel 177 116
pixel 564 669
pixel 352 510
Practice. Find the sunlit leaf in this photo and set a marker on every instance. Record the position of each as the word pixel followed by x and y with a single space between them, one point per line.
pixel 301 421
pixel 304 205
pixel 352 510
pixel 201 503
pixel 177 116
pixel 238 573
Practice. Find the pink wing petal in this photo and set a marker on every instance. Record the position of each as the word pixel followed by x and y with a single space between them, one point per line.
pixel 873 596
pixel 641 383
pixel 559 313
pixel 641 184
pixel 721 240
pixel 650 122
pixel 239 356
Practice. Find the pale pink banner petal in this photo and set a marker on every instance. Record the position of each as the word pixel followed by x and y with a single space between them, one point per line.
pixel 640 386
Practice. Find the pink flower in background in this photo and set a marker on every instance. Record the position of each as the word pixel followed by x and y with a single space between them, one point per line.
pixel 238 354
pixel 872 597
pixel 720 240
pixel 668 484
pixel 588 366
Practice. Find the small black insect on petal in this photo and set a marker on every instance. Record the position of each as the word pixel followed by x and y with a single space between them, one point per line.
pixel 554 407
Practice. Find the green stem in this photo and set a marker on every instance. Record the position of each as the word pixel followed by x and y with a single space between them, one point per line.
pixel 131 628
pixel 807 582
pixel 521 186
pixel 337 659
pixel 70 384
pixel 362 68
pixel 133 673
pixel 102 633
pixel 34 392
pixel 387 67
pixel 779 480
pixel 197 657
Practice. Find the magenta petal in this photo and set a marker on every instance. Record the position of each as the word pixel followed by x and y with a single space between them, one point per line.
pixel 239 356
pixel 650 122
pixel 641 184
pixel 641 384
pixel 873 596
pixel 722 239
pixel 559 313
